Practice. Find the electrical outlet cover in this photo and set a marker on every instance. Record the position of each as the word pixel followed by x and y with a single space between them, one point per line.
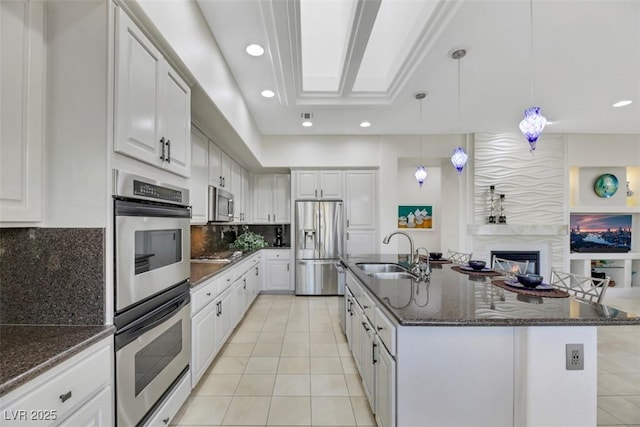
pixel 575 357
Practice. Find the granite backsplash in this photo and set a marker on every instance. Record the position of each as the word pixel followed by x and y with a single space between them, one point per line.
pixel 52 276
pixel 215 238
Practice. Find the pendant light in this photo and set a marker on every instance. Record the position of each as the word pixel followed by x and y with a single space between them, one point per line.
pixel 533 123
pixel 459 157
pixel 421 172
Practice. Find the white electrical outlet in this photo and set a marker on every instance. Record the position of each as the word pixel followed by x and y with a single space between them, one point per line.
pixel 575 357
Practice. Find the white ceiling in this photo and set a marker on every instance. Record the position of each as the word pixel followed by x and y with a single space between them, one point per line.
pixel 586 57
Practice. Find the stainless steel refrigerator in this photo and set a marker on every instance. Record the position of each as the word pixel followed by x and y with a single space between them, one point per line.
pixel 318 244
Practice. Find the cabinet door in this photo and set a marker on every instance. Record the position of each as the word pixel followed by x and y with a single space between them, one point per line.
pixel 262 198
pixel 278 276
pixel 349 313
pixel 361 241
pixel 235 188
pixel 203 341
pixel 361 199
pixel 21 110
pixel 199 177
pixel 247 198
pixel 307 185
pixel 225 321
pixel 330 184
pixel 282 199
pixel 356 336
pixel 215 159
pixel 240 298
pixel 139 75
pixel 385 388
pixel 176 120
pixel 97 412
pixel 225 170
pixel 366 360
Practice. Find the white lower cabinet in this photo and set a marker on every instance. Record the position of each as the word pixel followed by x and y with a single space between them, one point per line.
pixel 277 270
pixel 371 335
pixel 95 413
pixel 385 380
pixel 367 363
pixel 226 317
pixel 203 341
pixel 77 392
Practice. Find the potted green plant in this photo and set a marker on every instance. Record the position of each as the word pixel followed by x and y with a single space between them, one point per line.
pixel 248 241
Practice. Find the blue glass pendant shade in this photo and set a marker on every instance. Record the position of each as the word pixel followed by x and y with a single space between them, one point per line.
pixel 459 159
pixel 421 175
pixel 532 125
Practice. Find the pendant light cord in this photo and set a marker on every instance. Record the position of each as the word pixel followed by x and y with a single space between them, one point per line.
pixel 458 94
pixel 531 46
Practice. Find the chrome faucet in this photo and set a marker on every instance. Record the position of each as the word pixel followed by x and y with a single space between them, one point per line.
pixel 386 242
pixel 426 271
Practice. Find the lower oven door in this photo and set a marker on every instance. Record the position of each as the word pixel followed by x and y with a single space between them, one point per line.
pixel 151 353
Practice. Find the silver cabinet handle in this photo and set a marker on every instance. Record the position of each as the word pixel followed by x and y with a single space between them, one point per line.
pixel 168 160
pixel 321 193
pixel 274 217
pixel 373 354
pixel 287 267
pixel 315 193
pixel 208 294
pixel 166 420
pixel 162 142
pixel 347 222
pixel 244 281
pixel 66 396
pixel 364 325
pixel 379 328
pixel 347 235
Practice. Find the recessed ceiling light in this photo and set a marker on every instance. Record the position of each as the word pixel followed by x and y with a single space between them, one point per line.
pixel 622 103
pixel 365 124
pixel 268 93
pixel 307 124
pixel 255 50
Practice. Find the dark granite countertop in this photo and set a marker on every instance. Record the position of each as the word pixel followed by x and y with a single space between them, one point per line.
pixel 202 270
pixel 455 299
pixel 27 351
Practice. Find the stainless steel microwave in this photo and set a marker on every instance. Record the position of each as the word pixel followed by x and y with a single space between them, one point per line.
pixel 220 205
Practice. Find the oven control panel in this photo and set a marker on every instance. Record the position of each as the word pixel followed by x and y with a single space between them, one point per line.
pixel 145 189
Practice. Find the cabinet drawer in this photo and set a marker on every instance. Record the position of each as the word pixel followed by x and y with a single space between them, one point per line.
pixel 225 280
pixel 203 295
pixel 368 306
pixel 386 330
pixel 57 397
pixel 278 254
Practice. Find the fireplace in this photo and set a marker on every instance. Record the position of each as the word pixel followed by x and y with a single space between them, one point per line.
pixel 532 256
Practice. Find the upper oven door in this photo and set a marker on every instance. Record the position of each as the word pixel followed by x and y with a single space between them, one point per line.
pixel 152 246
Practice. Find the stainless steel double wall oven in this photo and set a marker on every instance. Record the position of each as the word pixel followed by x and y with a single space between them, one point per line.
pixel 152 311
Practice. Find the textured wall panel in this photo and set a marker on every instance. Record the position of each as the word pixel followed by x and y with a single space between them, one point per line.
pixel 533 184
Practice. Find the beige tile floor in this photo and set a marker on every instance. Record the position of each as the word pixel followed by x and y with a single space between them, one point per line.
pixel 288 364
pixel 619 369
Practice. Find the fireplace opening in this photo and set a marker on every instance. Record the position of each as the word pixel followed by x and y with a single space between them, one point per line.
pixel 532 256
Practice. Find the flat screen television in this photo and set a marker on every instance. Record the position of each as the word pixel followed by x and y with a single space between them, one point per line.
pixel 601 232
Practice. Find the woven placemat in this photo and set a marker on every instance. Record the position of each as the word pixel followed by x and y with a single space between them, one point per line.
pixel 475 273
pixel 550 293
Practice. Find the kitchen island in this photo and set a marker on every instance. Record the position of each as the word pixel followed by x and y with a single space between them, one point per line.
pixel 457 350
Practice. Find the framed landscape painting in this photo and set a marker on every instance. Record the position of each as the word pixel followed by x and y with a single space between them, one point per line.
pixel 416 217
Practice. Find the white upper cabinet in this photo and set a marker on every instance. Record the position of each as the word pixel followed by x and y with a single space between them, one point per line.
pixel 21 110
pixel 361 199
pixel 272 199
pixel 198 192
pixel 153 103
pixel 326 184
pixel 219 167
pixel 235 188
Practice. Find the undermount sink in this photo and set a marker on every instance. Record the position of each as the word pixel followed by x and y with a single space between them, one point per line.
pixel 380 267
pixel 393 275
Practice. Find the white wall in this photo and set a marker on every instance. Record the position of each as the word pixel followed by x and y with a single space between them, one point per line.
pixel 397 183
pixel 340 151
pixel 603 150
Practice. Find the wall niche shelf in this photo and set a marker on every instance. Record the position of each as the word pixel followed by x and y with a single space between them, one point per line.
pixel 605 209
